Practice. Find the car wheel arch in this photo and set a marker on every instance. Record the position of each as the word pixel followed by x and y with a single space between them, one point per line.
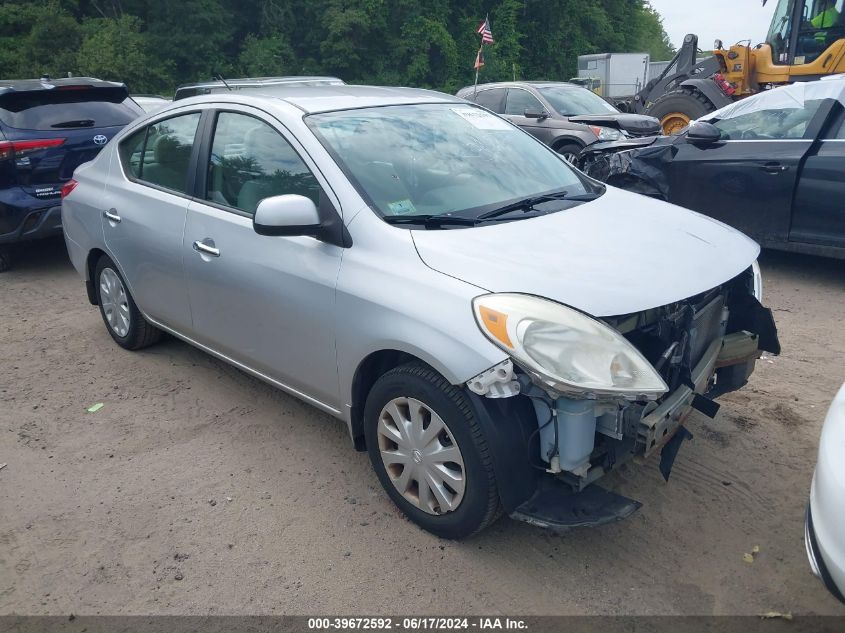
pixel 94 256
pixel 90 266
pixel 567 140
pixel 369 370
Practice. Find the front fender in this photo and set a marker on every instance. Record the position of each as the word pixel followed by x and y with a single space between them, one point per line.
pixel 709 89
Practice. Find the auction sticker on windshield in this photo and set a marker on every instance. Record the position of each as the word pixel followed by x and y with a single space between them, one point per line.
pixel 481 119
pixel 402 207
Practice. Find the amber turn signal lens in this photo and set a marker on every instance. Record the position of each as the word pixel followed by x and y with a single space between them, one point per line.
pixel 497 324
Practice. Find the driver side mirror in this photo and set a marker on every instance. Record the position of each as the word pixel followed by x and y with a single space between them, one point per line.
pixel 703 133
pixel 288 214
pixel 531 113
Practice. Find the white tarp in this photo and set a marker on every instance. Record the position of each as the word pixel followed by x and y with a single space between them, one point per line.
pixel 783 98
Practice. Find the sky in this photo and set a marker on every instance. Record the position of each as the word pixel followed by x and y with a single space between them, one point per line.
pixel 728 20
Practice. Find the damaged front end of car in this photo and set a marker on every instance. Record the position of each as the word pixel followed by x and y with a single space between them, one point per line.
pixel 637 165
pixel 593 394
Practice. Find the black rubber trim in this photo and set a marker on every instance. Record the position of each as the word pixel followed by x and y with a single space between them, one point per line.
pixel 507 424
pixel 824 574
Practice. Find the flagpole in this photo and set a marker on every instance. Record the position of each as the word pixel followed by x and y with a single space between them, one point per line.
pixel 477 68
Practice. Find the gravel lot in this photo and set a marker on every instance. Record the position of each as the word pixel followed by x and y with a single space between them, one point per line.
pixel 198 489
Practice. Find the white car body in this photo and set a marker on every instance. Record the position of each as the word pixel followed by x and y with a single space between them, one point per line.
pixel 825 524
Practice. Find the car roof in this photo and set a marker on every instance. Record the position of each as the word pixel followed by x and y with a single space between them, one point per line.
pixel 48 83
pixel 315 99
pixel 530 84
pixel 248 82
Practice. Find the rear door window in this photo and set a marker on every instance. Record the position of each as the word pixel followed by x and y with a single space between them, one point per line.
pixel 493 99
pixel 160 154
pixel 67 107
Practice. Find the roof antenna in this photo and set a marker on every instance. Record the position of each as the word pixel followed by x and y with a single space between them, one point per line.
pixel 220 77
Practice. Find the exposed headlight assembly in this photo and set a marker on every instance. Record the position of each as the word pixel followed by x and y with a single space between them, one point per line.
pixel 564 349
pixel 607 133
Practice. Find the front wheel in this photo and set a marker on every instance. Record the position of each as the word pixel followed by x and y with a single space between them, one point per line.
pixel 570 152
pixel 429 453
pixel 123 319
pixel 678 108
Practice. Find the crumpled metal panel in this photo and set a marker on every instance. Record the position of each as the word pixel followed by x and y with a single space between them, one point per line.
pixel 647 164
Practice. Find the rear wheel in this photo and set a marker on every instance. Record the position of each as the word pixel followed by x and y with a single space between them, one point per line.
pixel 677 108
pixel 429 453
pixel 125 323
pixel 5 258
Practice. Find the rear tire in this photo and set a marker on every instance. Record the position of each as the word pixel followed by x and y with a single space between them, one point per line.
pixel 677 108
pixel 124 321
pixel 416 393
pixel 5 259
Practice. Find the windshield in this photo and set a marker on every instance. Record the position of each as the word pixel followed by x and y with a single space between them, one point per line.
pixel 779 32
pixel 576 101
pixel 437 159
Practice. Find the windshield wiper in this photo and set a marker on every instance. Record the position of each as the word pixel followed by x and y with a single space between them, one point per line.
pixel 430 221
pixel 528 204
pixel 75 123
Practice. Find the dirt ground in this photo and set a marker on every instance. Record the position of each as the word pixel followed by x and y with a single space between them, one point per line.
pixel 198 489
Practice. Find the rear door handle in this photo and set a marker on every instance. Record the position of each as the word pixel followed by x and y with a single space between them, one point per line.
pixel 774 168
pixel 111 215
pixel 206 249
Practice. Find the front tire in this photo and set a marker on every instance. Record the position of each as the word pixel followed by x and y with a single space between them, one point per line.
pixel 124 322
pixel 677 108
pixel 429 453
pixel 571 152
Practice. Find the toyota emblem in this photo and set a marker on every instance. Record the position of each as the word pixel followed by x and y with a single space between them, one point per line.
pixel 100 139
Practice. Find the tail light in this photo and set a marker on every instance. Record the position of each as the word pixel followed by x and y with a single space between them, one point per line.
pixel 69 186
pixel 12 149
pixel 727 87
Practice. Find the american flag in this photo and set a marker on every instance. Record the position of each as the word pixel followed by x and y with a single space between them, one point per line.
pixel 479 59
pixel 486 33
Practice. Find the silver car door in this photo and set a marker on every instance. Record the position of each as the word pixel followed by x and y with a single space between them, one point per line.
pixel 265 302
pixel 144 211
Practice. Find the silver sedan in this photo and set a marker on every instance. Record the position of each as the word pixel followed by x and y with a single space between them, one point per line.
pixel 496 329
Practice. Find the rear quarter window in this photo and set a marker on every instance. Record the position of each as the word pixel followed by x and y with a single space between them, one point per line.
pixel 58 108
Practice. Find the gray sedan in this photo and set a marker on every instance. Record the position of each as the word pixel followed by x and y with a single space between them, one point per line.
pixel 497 330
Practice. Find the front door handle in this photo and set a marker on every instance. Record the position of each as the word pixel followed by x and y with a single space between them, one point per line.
pixel 775 168
pixel 206 249
pixel 111 215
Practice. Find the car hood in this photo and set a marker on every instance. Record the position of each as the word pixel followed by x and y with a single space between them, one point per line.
pixel 620 254
pixel 634 124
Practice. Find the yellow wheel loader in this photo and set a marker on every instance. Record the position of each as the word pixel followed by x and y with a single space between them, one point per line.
pixel 806 41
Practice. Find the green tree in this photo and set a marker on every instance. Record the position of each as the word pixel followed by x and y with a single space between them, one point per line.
pixel 37 38
pixel 266 56
pixel 116 50
pixel 156 45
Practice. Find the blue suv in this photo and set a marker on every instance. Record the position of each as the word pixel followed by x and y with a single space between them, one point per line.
pixel 48 127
